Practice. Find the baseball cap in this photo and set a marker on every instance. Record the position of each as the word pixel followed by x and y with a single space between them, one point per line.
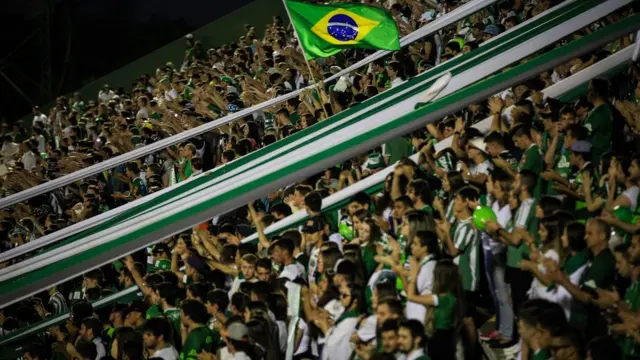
pixel 581 146
pixel 313 225
pixel 137 306
pixel 492 29
pixel 160 248
pixel 238 331
pixel 479 144
pixel 337 238
pixel 385 276
pixel 196 262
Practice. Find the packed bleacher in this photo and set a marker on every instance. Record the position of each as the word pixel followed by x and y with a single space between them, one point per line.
pixel 405 273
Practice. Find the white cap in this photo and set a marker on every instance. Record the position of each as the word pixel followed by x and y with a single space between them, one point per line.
pixel 337 238
pixel 479 144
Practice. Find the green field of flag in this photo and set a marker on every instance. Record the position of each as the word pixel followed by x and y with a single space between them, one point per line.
pixel 325 30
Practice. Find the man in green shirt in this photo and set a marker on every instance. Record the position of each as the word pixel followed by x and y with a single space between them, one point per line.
pixel 600 273
pixel 166 297
pixel 599 121
pixel 531 158
pixel 396 149
pixel 195 334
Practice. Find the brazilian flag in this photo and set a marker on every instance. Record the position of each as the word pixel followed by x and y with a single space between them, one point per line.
pixel 325 30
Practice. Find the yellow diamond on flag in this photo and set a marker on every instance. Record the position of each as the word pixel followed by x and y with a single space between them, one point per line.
pixel 343 27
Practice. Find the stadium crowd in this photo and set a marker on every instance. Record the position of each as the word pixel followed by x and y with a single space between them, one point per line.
pixel 403 274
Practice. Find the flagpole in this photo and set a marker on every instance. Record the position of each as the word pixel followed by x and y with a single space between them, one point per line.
pixel 304 55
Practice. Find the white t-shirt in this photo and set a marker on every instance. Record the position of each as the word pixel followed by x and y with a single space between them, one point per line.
pixel 503 215
pixel 304 342
pixel 291 272
pixel 539 290
pixel 338 340
pixel 29 160
pixel 42 118
pixel 397 82
pixel 632 194
pixel 424 285
pixel 100 349
pixel 105 96
pixel 226 355
pixel 170 95
pixel 368 330
pixel 168 353
pixel 143 113
pixel 480 169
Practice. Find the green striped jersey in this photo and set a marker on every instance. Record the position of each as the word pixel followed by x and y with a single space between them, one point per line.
pixel 58 304
pixel 467 240
pixel 524 219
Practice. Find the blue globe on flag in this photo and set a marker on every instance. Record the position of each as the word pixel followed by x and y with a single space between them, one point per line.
pixel 342 27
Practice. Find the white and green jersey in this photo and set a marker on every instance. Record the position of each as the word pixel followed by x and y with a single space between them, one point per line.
pixel 58 303
pixel 467 240
pixel 524 219
pixel 313 263
pixel 445 162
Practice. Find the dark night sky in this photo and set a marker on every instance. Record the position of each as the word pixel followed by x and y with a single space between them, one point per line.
pixel 105 35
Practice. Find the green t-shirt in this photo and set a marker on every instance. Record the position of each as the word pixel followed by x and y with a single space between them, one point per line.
pixel 576 182
pixel 542 354
pixel 531 160
pixel 444 316
pixel 428 209
pixel 599 122
pixel 137 187
pixel 396 149
pixel 367 257
pixel 199 339
pixel 173 315
pixel 187 170
pixel 576 261
pixel 152 312
pixel 163 264
pixel 600 273
pixel 293 118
